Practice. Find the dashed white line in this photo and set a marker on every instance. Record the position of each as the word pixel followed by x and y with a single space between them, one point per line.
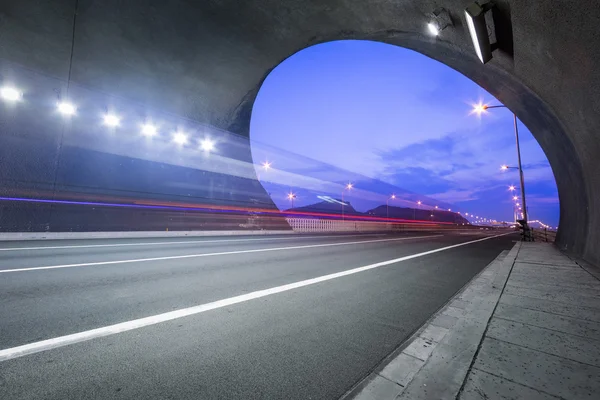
pixel 85 246
pixel 222 253
pixel 66 340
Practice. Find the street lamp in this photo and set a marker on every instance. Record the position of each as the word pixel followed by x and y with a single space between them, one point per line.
pixel 387 204
pixel 415 210
pixel 291 196
pixel 479 109
pixel 349 186
pixel 266 165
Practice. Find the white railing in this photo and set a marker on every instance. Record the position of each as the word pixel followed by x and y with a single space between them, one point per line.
pixel 329 225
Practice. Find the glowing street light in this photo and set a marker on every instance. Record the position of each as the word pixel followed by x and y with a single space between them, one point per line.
pixel 112 120
pixel 180 138
pixel 387 204
pixel 66 108
pixel 266 165
pixel 479 108
pixel 11 94
pixel 149 130
pixel 207 145
pixel 348 187
pixel 291 196
pixel 512 188
pixel 515 198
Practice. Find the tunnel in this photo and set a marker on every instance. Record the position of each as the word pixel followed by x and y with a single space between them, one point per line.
pixel 206 61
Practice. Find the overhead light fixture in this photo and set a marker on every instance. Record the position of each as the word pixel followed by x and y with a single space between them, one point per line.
pixel 66 108
pixel 180 138
pixel 149 130
pixel 111 120
pixel 11 94
pixel 438 21
pixel 207 145
pixel 478 30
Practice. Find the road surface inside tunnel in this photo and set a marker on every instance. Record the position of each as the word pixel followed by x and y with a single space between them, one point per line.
pixel 270 317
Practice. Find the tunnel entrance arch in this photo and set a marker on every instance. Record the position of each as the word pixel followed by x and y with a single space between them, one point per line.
pixel 529 108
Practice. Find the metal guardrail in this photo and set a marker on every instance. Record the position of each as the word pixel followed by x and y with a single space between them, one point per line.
pixel 543 235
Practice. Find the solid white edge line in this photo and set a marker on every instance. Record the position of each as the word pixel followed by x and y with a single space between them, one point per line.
pixel 66 340
pixel 222 253
pixel 87 246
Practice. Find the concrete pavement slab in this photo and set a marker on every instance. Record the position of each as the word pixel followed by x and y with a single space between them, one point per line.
pixel 481 385
pixel 565 324
pixel 551 374
pixel 561 344
pixel 552 307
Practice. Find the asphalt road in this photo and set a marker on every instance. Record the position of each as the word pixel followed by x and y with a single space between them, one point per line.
pixel 263 338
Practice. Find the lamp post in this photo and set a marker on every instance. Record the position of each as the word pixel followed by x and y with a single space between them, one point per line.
pixel 415 210
pixel 348 186
pixel 291 196
pixel 480 108
pixel 387 204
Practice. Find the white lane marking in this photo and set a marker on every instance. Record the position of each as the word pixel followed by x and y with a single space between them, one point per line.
pixel 84 246
pixel 222 253
pixel 66 340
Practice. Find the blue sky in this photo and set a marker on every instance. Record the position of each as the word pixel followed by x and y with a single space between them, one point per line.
pixel 402 119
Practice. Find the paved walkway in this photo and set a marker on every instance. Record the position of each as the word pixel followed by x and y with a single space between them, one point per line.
pixel 528 327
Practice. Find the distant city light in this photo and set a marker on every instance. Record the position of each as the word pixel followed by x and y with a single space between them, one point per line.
pixel 180 138
pixel 419 202
pixel 207 145
pixel 149 130
pixel 66 108
pixel 10 94
pixel 449 210
pixel 436 207
pixel 111 120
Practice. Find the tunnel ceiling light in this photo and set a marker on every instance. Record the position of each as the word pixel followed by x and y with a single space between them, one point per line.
pixel 66 108
pixel 438 21
pixel 180 138
pixel 149 130
pixel 11 94
pixel 207 145
pixel 112 120
pixel 478 30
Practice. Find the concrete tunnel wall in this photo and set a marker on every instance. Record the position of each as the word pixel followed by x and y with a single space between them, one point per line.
pixel 206 61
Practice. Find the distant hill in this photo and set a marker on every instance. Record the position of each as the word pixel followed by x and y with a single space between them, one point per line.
pixel 418 214
pixel 334 206
pixel 328 207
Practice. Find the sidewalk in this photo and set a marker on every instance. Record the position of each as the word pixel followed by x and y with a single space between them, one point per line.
pixel 528 327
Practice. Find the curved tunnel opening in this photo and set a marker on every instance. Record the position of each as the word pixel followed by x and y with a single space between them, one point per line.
pixel 393 122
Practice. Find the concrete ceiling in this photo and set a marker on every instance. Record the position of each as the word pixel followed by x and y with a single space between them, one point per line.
pixel 205 60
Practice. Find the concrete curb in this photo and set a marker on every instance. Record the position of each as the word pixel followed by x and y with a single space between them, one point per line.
pixel 11 236
pixel 435 361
